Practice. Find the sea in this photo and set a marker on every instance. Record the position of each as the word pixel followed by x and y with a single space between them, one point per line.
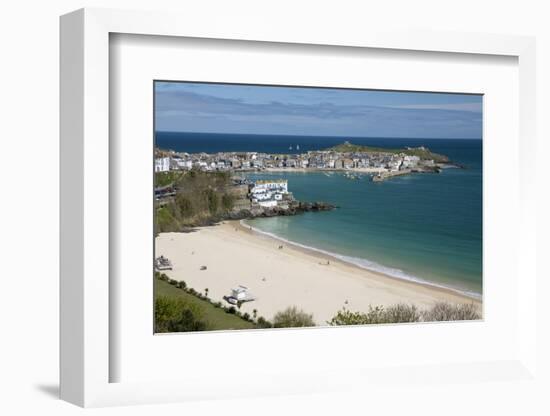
pixel 421 227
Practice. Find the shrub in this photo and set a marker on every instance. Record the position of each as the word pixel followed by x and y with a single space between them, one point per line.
pixel 176 315
pixel 292 317
pixel 162 276
pixel 186 321
pixel 402 313
pixel 231 310
pixel 185 205
pixel 173 282
pixel 213 200
pixel 228 201
pixel 246 316
pixel 263 323
pixel 443 311
pixel 375 315
pixel 182 284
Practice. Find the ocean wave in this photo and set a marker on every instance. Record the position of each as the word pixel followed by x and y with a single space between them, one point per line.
pixel 367 264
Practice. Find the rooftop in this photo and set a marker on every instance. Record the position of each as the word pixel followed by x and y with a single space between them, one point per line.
pixel 271 181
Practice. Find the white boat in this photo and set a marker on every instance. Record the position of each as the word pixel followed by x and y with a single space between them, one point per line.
pixel 297 147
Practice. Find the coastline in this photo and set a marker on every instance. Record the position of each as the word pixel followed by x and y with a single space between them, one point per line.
pixel 322 170
pixel 317 282
pixel 350 261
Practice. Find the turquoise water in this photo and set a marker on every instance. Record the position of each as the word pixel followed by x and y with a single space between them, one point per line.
pixel 424 226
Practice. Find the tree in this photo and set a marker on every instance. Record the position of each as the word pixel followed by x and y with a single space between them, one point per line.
pixel 206 292
pixel 176 315
pixel 292 317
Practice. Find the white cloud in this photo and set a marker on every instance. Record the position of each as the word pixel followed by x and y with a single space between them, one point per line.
pixel 472 107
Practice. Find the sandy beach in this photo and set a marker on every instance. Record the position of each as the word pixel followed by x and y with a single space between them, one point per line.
pixel 281 277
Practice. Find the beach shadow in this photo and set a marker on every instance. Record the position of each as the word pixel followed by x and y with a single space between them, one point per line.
pixel 51 390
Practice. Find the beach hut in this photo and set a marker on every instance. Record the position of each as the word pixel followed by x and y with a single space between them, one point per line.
pixel 241 294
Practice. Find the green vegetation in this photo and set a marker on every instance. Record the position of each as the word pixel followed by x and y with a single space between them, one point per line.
pixel 166 178
pixel 422 153
pixel 292 317
pixel 400 313
pixel 178 315
pixel 377 315
pixel 176 310
pixel 443 311
pixel 202 198
pixel 179 308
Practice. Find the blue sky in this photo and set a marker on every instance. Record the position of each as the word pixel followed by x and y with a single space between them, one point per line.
pixel 250 109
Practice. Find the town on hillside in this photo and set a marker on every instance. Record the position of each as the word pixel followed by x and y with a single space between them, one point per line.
pixel 381 163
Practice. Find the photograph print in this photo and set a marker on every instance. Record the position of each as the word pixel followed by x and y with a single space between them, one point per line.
pixel 289 206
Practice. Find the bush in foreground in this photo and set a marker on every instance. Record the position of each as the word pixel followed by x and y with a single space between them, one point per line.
pixel 400 313
pixel 176 315
pixel 292 317
pixel 443 311
pixel 375 315
pixel 263 323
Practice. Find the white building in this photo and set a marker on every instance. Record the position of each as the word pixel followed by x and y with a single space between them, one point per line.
pixel 162 164
pixel 268 193
pixel 410 161
pixel 279 185
pixel 184 163
pixel 268 204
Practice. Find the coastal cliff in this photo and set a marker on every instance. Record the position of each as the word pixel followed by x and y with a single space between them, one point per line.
pixel 196 198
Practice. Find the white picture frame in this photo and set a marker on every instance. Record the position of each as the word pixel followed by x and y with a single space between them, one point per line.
pixel 86 353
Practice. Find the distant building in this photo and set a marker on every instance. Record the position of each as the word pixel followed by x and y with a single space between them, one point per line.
pixel 410 162
pixel 268 193
pixel 162 164
pixel 180 163
pixel 280 185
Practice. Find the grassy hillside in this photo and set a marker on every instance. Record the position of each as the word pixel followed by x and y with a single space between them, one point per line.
pixel 201 198
pixel 167 178
pixel 424 154
pixel 215 318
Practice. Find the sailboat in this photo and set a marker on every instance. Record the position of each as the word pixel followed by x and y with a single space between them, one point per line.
pixel 290 148
pixel 297 147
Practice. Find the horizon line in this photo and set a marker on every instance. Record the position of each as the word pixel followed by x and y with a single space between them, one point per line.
pixel 322 136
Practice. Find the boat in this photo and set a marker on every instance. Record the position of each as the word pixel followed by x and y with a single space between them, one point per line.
pixel 289 147
pixel 297 147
